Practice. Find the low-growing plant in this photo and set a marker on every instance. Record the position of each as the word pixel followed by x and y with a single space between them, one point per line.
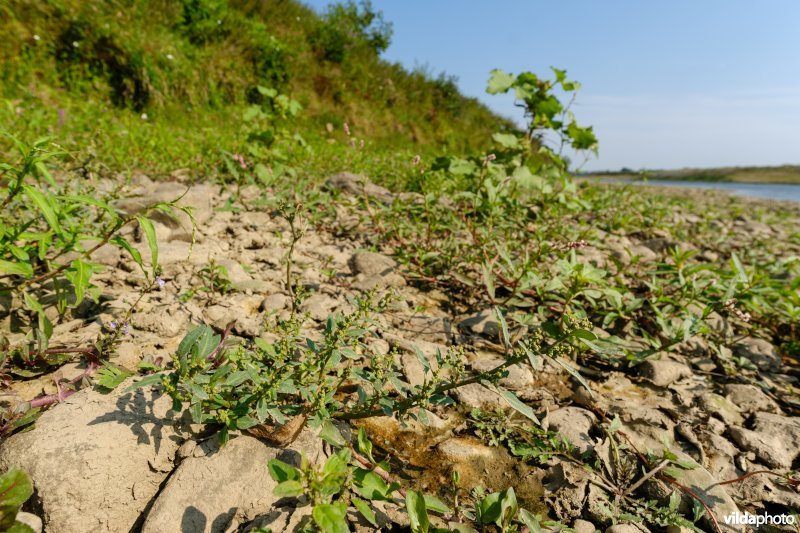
pixel 15 489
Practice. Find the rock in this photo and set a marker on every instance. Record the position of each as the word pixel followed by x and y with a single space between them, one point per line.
pixel 371 263
pixel 720 407
pixel 760 352
pixel 583 526
pixel 477 396
pixel 217 487
pixel 627 254
pixel 750 398
pixel 483 323
pixel 575 424
pixel 461 450
pixel 663 372
pixel 319 306
pixel 519 377
pixel 354 184
pixel 98 459
pixel 275 302
pixel 659 245
pixel 377 281
pixel 165 321
pixel 772 439
pixel 30 520
pixel 428 328
pixel 235 272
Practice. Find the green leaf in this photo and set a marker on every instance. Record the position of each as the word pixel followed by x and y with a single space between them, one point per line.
pixel 417 512
pixel 152 379
pixel 280 471
pixel 508 507
pixel 18 269
pixel 436 505
pixel 372 486
pixel 512 400
pixel 506 338
pixel 574 373
pixel 330 517
pixel 364 444
pixel 150 232
pixel 124 244
pixel 290 487
pixel 331 434
pixel 506 140
pixel 45 205
pixel 499 82
pixel 15 489
pixel 109 376
pixel 365 510
pixel 336 465
pixel 95 202
pixel 78 274
pixel 489 509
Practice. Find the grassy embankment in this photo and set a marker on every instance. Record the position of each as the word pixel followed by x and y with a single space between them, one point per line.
pixel 789 174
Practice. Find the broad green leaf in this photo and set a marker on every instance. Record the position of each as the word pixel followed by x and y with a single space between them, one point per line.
pixel 330 517
pixel 290 487
pixel 506 140
pixel 499 82
pixel 372 486
pixel 280 471
pixel 489 509
pixel 78 274
pixel 18 269
pixel 150 232
pixel 15 489
pixel 365 510
pixel 364 444
pixel 331 434
pixel 436 505
pixel 508 507
pixel 417 512
pixel 336 465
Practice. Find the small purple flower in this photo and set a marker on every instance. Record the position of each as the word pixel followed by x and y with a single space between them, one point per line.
pixel 126 329
pixel 113 325
pixel 160 282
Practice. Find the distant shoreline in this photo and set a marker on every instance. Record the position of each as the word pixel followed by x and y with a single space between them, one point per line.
pixel 786 174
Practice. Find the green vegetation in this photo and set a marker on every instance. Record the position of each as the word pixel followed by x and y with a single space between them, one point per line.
pixel 158 86
pixel 783 174
pixel 272 97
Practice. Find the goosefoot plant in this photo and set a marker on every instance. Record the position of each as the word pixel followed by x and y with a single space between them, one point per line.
pixel 297 379
pixel 49 230
pixel 351 478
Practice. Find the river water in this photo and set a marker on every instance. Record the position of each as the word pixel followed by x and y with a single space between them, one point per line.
pixel 772 191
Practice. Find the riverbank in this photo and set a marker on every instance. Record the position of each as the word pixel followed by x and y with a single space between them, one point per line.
pixel 784 174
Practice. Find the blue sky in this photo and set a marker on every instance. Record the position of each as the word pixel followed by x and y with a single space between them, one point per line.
pixel 685 83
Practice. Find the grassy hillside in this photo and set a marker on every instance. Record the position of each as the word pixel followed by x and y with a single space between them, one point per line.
pixel 781 174
pixel 159 85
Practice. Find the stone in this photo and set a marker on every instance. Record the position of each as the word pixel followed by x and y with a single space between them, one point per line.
pixel 519 377
pixel 627 527
pixel 217 487
pixel 663 373
pixel 762 353
pixel 275 302
pixel 165 321
pixel 483 323
pixel 377 281
pixel 98 459
pixel 428 328
pixel 477 396
pixel 356 185
pixel 371 263
pixel 574 423
pixel 749 398
pixel 720 407
pixel 319 306
pixel 583 526
pixel 773 439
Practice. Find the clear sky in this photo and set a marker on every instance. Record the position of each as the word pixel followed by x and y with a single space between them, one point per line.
pixel 684 83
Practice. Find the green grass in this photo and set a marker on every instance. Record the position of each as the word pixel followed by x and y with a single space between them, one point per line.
pixel 86 73
pixel 789 174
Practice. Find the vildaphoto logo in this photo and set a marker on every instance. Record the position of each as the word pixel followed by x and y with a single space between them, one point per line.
pixel 757 520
